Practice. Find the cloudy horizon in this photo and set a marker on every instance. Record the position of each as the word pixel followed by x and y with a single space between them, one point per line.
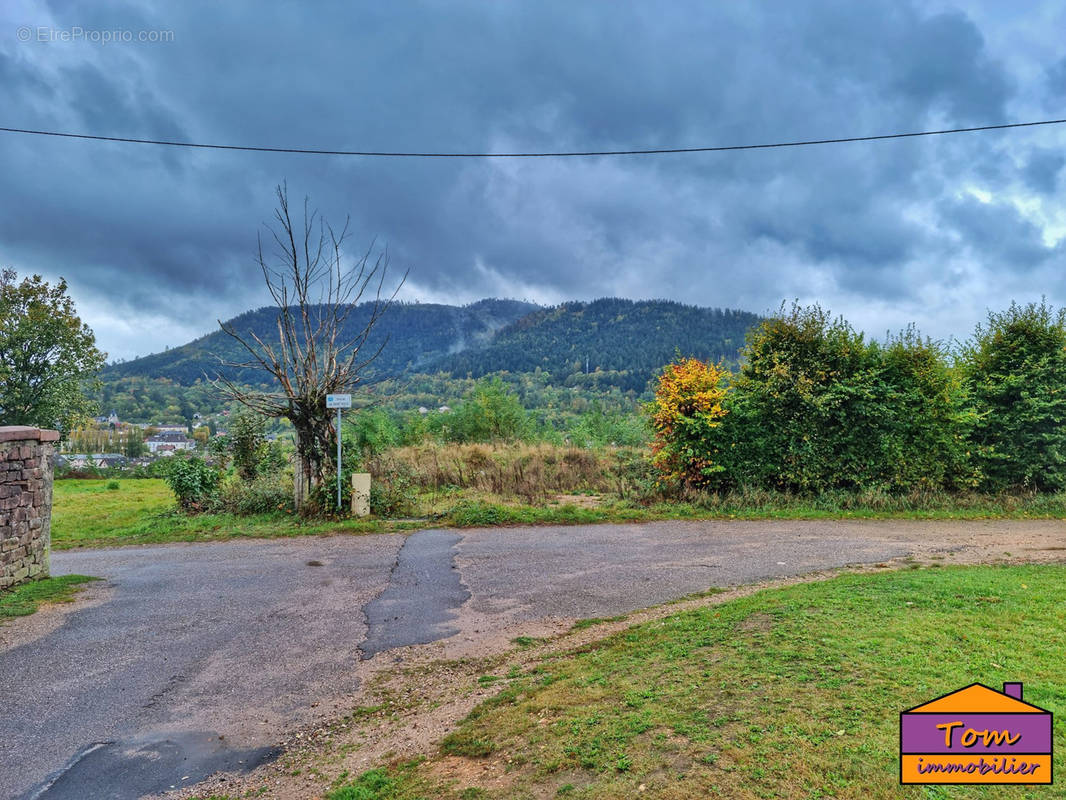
pixel 157 242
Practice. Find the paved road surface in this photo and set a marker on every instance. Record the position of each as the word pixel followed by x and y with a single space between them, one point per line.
pixel 195 656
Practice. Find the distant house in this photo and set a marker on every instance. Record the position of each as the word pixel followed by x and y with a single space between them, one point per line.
pixel 83 460
pixel 112 419
pixel 166 444
pixel 72 460
pixel 107 460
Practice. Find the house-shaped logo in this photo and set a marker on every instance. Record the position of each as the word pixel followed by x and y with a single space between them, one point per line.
pixel 976 735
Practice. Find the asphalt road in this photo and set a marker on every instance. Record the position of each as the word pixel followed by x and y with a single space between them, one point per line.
pixel 191 658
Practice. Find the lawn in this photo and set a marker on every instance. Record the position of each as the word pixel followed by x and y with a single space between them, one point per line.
pixel 791 693
pixel 85 513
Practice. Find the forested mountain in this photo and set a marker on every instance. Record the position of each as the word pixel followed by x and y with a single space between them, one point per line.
pixel 417 334
pixel 627 342
pixel 622 343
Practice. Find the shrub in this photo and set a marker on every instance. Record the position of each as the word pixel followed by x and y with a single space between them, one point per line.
pixel 801 410
pixel 925 419
pixel 491 412
pixel 476 513
pixel 263 495
pixel 816 407
pixel 1015 367
pixel 393 494
pixel 686 409
pixel 193 481
pixel 634 477
pixel 112 485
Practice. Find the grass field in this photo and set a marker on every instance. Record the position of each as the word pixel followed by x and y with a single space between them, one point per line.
pixel 25 599
pixel 86 513
pixel 142 511
pixel 791 693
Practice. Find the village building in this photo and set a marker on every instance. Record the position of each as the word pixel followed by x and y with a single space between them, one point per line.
pixel 84 460
pixel 166 444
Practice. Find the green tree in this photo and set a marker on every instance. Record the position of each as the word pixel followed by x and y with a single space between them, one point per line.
pixel 47 355
pixel 799 415
pixel 247 438
pixel 218 447
pixel 1015 366
pixel 925 420
pixel 371 431
pixel 491 412
pixel 135 447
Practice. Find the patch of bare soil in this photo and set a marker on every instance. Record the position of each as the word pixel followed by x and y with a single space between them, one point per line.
pixel 412 697
pixel 491 775
pixel 579 500
pixel 979 541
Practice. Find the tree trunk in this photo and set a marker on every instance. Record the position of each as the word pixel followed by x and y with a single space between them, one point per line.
pixel 300 485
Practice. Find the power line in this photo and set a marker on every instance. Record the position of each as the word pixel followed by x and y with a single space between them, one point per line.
pixel 565 154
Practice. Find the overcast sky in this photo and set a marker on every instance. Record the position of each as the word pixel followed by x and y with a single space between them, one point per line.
pixel 157 243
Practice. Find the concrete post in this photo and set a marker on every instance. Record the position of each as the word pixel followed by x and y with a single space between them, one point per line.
pixel 360 494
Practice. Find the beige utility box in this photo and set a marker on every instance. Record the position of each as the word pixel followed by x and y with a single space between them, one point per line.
pixel 360 494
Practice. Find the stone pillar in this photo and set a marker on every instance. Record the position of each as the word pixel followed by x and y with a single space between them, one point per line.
pixel 27 458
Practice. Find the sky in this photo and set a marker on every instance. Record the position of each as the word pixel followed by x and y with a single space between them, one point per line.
pixel 158 243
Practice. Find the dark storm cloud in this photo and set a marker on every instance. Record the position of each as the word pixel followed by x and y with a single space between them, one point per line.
pixel 1041 172
pixel 164 238
pixel 997 232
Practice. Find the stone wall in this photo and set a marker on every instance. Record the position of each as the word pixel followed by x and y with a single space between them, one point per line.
pixel 27 457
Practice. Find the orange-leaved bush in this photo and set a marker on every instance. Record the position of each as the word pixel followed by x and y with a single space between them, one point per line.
pixel 687 407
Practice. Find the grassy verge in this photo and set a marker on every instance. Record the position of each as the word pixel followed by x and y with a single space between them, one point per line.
pixel 25 599
pixel 789 693
pixel 142 511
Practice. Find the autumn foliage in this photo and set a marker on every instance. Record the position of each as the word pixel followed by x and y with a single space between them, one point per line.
pixel 686 409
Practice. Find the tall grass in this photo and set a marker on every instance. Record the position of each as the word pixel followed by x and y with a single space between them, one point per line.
pixel 531 472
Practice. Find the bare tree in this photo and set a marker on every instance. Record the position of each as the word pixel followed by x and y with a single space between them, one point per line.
pixel 315 354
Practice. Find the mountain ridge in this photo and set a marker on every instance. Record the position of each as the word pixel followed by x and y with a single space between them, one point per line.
pixel 605 342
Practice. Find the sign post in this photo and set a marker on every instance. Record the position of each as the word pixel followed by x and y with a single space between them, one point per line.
pixel 338 401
